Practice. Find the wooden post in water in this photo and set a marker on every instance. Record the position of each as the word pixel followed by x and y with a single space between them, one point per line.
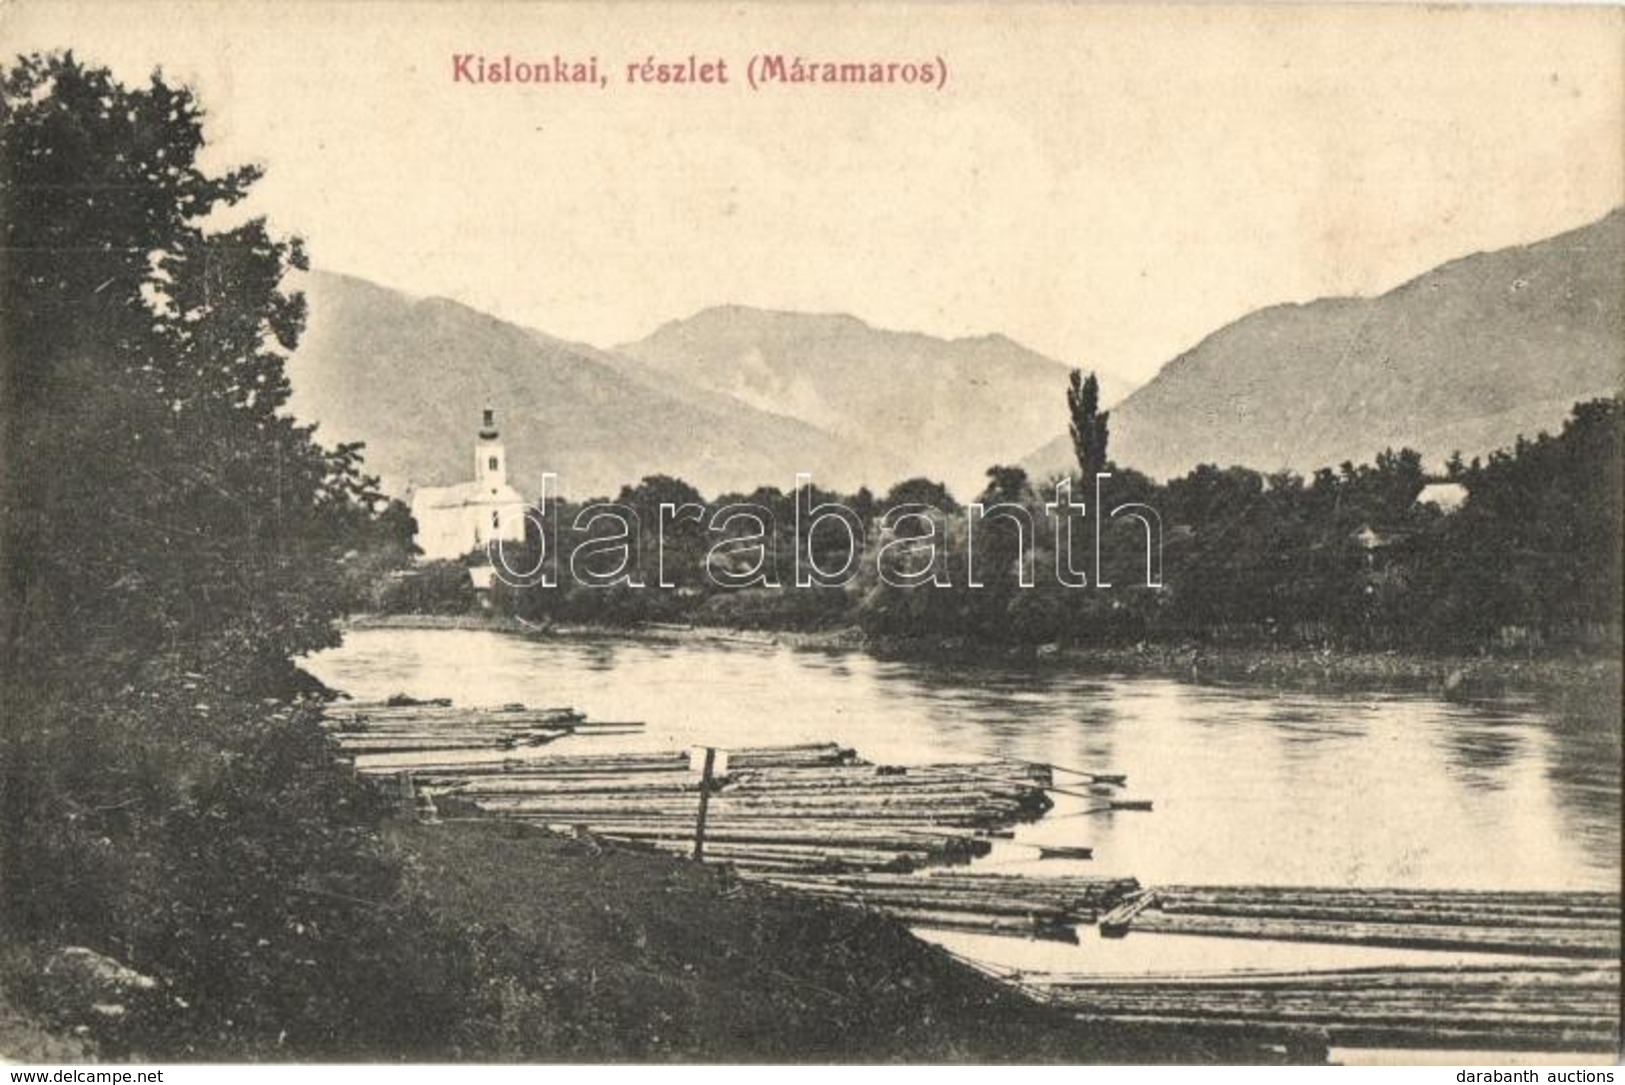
pixel 705 801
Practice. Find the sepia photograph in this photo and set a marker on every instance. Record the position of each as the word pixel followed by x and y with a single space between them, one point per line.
pixel 738 533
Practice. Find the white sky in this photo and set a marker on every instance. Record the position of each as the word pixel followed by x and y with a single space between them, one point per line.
pixel 1105 184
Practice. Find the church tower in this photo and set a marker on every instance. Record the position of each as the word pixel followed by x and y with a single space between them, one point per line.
pixel 457 520
pixel 490 461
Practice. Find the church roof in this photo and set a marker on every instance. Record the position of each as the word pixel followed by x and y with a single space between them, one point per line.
pixel 463 495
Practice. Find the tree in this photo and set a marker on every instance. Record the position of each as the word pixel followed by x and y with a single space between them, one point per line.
pixel 1089 424
pixel 151 482
pixel 1006 484
pixel 1537 543
pixel 172 541
pixel 920 491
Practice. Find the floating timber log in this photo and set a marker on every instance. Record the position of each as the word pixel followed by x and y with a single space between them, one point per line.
pixel 1538 941
pixel 1070 892
pixel 396 700
pixel 1018 906
pixel 1521 979
pixel 520 783
pixel 379 719
pixel 1049 771
pixel 551 765
pixel 1523 901
pixel 365 744
pixel 402 726
pixel 1005 926
pixel 1468 915
pixel 1115 923
pixel 1548 1005
pixel 791 856
pixel 1083 895
pixel 743 796
pixel 819 753
pixel 1545 924
pixel 944 849
pixel 1102 797
pixel 623 807
pixel 944 899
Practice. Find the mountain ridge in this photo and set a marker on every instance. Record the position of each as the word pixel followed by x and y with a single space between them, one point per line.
pixel 835 315
pixel 1466 355
pixel 949 408
pixel 409 377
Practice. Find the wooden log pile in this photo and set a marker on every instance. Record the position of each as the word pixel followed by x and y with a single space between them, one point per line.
pixel 1538 1005
pixel 1047 908
pixel 1546 924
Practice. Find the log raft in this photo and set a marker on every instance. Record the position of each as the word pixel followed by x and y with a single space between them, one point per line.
pixel 803 808
pixel 814 808
pixel 1537 1005
pixel 813 818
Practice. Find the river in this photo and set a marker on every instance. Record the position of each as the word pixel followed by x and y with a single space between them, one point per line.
pixel 1249 785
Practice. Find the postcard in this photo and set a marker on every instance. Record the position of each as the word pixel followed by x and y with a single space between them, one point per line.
pixel 744 533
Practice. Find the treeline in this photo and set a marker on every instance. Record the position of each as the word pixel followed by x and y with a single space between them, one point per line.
pixel 1347 557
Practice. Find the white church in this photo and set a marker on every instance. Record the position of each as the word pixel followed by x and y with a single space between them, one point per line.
pixel 453 520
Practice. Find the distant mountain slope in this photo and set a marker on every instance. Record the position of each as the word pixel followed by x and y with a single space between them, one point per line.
pixel 947 408
pixel 1466 356
pixel 409 377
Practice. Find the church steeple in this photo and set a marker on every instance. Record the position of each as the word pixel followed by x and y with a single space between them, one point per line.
pixel 490 462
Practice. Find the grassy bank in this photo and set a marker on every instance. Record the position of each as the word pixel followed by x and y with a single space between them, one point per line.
pixel 595 953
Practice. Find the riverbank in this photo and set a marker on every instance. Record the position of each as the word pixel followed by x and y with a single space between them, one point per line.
pixel 1588 683
pixel 600 953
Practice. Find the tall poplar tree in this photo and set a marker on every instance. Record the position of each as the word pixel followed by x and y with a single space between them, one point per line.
pixel 1088 424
